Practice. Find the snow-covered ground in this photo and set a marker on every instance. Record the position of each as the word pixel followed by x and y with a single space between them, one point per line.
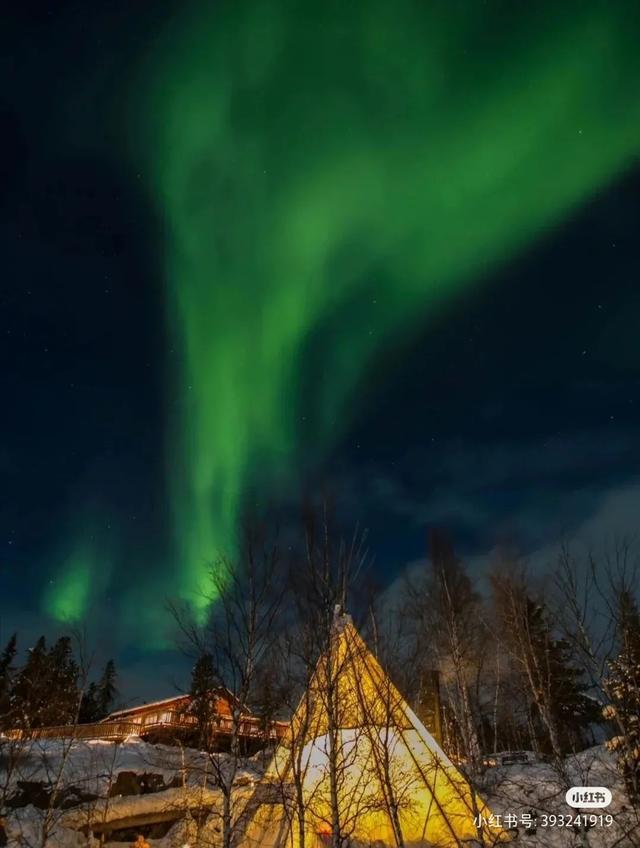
pixel 105 782
pixel 109 782
pixel 536 792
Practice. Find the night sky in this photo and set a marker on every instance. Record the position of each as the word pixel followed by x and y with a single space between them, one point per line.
pixel 256 251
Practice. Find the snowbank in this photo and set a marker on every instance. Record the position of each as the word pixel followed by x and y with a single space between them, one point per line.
pixel 536 792
pixel 177 783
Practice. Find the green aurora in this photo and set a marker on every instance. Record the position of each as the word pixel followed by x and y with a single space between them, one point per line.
pixel 328 176
pixel 68 596
pixel 84 575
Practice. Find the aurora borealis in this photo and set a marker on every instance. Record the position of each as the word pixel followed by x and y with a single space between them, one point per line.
pixel 259 244
pixel 306 160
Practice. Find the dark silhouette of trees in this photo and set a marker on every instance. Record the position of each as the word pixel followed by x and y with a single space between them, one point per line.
pixel 245 598
pixel 202 707
pixel 30 693
pixel 89 705
pixel 107 689
pixel 445 610
pixel 7 671
pixel 624 688
pixel 561 710
pixel 62 675
pixel 99 697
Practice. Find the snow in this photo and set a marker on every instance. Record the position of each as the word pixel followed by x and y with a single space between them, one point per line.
pixel 93 767
pixel 540 788
pixel 175 699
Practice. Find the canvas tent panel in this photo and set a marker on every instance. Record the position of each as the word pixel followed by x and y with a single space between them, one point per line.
pixel 434 800
pixel 392 777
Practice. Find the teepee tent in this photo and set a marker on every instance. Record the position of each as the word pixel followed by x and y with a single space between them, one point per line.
pixel 358 767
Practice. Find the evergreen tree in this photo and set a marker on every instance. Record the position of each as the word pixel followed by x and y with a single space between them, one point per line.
pixel 7 657
pixel 62 683
pixel 561 711
pixel 559 680
pixel 106 691
pixel 574 710
pixel 89 711
pixel 29 694
pixel 202 707
pixel 623 685
pixel 6 676
pixel 98 699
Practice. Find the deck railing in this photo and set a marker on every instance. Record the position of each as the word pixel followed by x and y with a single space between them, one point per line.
pixel 250 727
pixel 97 731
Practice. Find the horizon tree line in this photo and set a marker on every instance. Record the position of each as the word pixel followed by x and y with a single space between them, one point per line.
pixel 52 687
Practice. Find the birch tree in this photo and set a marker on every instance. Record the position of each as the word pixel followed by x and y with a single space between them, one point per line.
pixel 245 599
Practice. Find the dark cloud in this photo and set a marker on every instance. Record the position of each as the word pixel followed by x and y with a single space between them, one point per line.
pixel 528 489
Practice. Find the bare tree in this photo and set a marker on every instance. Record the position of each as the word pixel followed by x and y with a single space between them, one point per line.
pixel 245 600
pixel 585 608
pixel 529 645
pixel 322 577
pixel 446 613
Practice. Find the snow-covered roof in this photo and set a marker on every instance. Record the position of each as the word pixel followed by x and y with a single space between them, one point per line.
pixel 162 703
pixel 222 691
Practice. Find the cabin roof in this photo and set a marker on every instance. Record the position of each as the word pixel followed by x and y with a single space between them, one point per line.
pixel 149 706
pixel 221 692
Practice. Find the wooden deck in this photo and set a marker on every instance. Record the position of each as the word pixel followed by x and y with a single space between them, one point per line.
pixel 115 730
pixel 250 728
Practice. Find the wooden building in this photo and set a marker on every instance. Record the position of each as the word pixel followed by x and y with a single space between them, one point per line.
pixel 160 720
pixel 171 720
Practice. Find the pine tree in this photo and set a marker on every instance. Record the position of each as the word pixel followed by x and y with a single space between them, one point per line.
pixel 62 681
pixel 89 711
pixel 106 691
pixel 623 685
pixel 202 706
pixel 29 693
pixel 98 699
pixel 559 680
pixel 561 710
pixel 6 676
pixel 573 709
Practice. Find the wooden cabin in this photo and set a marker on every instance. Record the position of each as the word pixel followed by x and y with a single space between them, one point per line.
pixel 170 720
pixel 160 720
pixel 169 712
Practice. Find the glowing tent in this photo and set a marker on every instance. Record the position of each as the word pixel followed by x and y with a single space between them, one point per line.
pixel 357 761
